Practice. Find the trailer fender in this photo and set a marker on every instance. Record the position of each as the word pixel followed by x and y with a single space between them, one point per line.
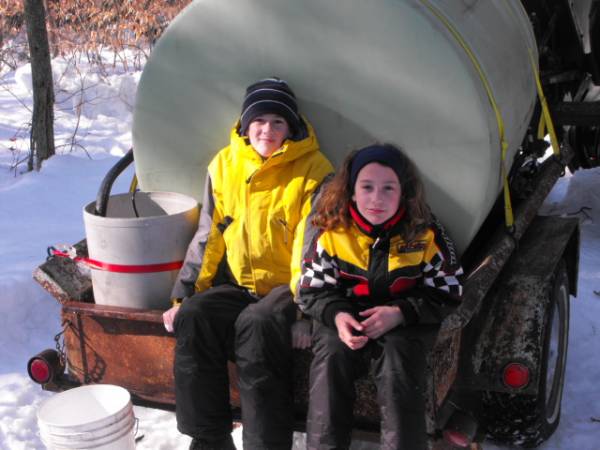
pixel 514 328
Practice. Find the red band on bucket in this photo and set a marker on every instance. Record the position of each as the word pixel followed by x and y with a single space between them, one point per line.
pixel 123 268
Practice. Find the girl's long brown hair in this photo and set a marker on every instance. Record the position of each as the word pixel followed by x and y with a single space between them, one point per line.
pixel 332 207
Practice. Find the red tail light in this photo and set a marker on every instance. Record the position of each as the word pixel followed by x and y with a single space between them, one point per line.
pixel 516 375
pixel 39 371
pixel 44 366
pixel 460 430
pixel 457 438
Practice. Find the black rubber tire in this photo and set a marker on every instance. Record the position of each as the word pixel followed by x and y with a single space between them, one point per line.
pixel 528 420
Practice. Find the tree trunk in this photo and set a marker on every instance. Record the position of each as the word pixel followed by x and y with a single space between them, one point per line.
pixel 51 25
pixel 42 122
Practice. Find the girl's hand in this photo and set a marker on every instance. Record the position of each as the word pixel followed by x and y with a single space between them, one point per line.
pixel 348 331
pixel 301 334
pixel 381 319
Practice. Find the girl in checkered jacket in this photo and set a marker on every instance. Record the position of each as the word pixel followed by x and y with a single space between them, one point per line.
pixel 379 276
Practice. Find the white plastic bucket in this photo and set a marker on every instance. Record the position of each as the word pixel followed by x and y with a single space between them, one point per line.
pixel 160 235
pixel 98 417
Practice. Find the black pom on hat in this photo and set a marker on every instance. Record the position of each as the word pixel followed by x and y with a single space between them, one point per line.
pixel 270 96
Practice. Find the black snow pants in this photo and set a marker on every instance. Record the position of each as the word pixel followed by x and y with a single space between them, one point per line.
pixel 397 360
pixel 228 323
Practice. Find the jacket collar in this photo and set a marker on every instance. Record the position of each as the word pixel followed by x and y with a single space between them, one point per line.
pixel 375 230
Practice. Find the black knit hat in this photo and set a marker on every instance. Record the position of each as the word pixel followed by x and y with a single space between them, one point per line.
pixel 384 154
pixel 270 96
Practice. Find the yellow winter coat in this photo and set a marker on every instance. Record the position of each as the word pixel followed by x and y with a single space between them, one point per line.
pixel 254 215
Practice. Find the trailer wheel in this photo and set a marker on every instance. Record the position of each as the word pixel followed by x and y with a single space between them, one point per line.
pixel 528 420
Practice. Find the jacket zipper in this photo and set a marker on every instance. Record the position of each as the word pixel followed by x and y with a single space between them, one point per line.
pixel 285 230
pixel 249 237
pixel 378 269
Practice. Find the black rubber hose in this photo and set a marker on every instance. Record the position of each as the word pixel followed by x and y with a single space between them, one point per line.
pixel 109 179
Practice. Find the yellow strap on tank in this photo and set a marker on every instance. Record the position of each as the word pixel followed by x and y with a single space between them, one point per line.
pixel 134 183
pixel 541 131
pixel 508 212
pixel 545 118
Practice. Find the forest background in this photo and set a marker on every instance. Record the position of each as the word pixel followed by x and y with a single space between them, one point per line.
pixel 86 28
pixel 76 31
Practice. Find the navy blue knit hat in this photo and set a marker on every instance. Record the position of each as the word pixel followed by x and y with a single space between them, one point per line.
pixel 384 154
pixel 270 96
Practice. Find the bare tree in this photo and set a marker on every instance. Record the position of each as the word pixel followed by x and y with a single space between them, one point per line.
pixel 42 122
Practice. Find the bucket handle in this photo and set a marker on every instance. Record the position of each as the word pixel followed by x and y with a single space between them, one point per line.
pixel 137 428
pixel 107 182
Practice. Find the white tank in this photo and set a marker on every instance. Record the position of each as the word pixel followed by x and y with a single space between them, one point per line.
pixel 409 72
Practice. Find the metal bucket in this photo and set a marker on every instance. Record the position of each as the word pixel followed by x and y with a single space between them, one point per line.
pixel 136 250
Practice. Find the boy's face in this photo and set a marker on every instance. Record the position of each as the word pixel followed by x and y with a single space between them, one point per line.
pixel 267 133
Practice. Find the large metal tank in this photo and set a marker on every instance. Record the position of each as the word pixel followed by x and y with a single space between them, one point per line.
pixel 421 74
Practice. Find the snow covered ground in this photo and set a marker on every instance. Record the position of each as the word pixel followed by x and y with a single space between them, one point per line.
pixel 93 123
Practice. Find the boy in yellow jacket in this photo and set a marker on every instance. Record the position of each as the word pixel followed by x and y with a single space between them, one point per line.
pixel 239 274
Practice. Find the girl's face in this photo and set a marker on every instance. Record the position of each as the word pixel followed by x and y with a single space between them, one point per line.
pixel 267 133
pixel 377 193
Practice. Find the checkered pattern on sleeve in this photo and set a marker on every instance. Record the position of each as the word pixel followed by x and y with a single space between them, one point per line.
pixel 434 276
pixel 320 271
